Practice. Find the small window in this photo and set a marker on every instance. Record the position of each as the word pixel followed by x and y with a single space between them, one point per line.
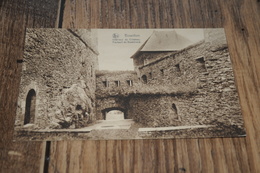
pixel 150 75
pixel 105 83
pixel 130 82
pixel 144 79
pixel 201 64
pixel 177 66
pixel 117 82
pixel 78 107
pixel 162 71
pixel 174 108
pixel 201 60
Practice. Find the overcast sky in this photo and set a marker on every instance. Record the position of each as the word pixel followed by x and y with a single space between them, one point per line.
pixel 115 54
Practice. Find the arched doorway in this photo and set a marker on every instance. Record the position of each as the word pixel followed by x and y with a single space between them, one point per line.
pixel 30 107
pixel 114 114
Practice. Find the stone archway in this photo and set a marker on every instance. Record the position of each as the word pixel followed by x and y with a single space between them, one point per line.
pixel 30 107
pixel 104 105
pixel 107 110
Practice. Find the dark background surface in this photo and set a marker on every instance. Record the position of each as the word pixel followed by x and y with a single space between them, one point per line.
pixel 240 18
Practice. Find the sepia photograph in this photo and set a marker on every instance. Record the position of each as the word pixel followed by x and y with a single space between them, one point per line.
pixel 102 84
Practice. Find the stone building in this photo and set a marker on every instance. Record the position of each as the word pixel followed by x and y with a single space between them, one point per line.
pixel 58 81
pixel 201 77
pixel 113 90
pixel 179 82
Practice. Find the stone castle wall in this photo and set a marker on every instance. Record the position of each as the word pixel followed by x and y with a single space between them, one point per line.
pixel 113 89
pixel 144 58
pixel 112 103
pixel 60 66
pixel 181 110
pixel 115 83
pixel 205 70
pixel 174 68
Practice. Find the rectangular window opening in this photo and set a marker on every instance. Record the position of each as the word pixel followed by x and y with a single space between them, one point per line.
pixel 200 60
pixel 162 71
pixel 178 67
pixel 105 83
pixel 117 82
pixel 130 82
pixel 201 64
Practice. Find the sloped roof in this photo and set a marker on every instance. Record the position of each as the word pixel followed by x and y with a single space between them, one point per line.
pixel 161 41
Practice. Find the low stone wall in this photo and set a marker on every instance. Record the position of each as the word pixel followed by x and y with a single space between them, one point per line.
pixel 181 110
pixel 153 111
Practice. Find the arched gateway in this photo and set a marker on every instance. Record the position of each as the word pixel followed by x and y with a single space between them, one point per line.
pixel 114 113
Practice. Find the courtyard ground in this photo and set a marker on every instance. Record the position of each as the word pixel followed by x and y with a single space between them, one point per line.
pixel 124 129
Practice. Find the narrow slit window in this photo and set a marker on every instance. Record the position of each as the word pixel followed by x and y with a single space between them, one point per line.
pixel 174 108
pixel 91 71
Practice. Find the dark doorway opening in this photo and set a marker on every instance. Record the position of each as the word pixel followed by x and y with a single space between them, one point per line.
pixel 30 107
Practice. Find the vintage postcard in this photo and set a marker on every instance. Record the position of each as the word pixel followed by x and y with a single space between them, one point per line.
pixel 98 84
